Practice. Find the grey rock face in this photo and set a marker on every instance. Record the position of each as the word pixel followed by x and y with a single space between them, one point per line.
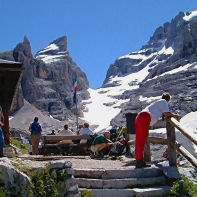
pixel 49 78
pixel 171 58
pixel 14 180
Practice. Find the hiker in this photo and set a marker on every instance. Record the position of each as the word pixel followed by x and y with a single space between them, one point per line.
pixel 35 129
pixel 85 131
pixel 101 142
pixel 1 132
pixel 148 117
pixel 66 131
pixel 79 130
pixel 53 132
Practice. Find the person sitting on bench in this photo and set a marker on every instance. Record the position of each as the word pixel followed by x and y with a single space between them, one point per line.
pixel 66 131
pixel 85 131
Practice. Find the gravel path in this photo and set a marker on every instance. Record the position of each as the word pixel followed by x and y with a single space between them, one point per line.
pixel 77 161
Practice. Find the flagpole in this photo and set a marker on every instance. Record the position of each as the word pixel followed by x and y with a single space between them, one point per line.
pixel 75 101
pixel 76 113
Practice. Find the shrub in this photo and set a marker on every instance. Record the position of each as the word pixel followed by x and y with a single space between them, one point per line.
pixel 45 183
pixel 3 192
pixel 183 188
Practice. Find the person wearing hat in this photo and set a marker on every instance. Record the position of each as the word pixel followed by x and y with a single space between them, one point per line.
pixel 35 130
pixel 100 142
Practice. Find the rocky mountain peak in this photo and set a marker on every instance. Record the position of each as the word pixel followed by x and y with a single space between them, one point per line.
pixel 61 43
pixel 166 63
pixel 57 47
pixel 22 50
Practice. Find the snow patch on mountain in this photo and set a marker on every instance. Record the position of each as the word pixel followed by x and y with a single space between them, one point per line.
pixel 104 104
pixel 176 70
pixel 50 58
pixel 190 15
pixel 49 48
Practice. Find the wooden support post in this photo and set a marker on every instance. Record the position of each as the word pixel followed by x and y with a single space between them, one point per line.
pixel 44 145
pixel 6 126
pixel 147 153
pixel 171 142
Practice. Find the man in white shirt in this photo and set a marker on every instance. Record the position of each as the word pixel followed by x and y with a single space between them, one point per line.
pixel 148 117
pixel 66 131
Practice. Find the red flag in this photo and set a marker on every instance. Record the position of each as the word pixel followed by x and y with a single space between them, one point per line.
pixel 75 92
pixel 76 86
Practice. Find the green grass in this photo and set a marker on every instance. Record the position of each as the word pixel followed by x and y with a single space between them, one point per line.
pixel 23 147
pixel 86 193
pixel 3 192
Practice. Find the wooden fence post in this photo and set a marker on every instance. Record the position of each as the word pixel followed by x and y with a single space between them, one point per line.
pixel 171 142
pixel 147 152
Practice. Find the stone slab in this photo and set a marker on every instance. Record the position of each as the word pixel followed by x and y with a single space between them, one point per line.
pixel 117 173
pixel 110 192
pixel 119 183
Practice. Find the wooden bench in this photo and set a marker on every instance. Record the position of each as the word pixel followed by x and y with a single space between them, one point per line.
pixel 50 141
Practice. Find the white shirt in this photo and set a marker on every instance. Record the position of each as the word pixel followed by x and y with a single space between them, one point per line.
pixel 86 131
pixel 66 132
pixel 156 109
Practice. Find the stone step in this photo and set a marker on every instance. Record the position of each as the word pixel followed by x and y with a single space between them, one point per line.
pixel 120 183
pixel 136 192
pixel 118 173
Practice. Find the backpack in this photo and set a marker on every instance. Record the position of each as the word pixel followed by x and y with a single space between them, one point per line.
pixel 35 128
pixel 117 148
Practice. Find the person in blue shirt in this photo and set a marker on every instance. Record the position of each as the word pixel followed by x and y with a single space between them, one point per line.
pixel 35 129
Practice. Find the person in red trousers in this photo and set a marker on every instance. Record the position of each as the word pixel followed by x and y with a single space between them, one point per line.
pixel 146 118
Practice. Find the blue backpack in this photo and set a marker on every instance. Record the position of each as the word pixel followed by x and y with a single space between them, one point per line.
pixel 35 128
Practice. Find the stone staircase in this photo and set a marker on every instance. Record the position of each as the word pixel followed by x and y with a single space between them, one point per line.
pixel 145 182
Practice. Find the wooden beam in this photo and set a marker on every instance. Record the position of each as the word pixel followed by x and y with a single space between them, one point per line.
pixel 188 156
pixel 158 140
pixel 153 140
pixel 64 137
pixel 171 142
pixel 12 69
pixel 181 128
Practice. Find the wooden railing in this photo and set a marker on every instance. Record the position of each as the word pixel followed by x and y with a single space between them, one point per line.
pixel 171 124
pixel 173 145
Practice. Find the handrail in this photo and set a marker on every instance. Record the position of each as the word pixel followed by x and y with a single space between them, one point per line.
pixel 181 128
pixel 171 124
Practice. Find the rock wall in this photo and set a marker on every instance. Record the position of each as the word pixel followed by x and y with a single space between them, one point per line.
pixel 49 78
pixel 170 56
pixel 19 184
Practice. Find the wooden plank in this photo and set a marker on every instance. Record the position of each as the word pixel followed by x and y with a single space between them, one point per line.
pixel 188 156
pixel 64 137
pixel 12 69
pixel 181 128
pixel 158 140
pixel 153 140
pixel 66 145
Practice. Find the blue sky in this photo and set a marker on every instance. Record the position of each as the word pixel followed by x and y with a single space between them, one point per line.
pixel 98 31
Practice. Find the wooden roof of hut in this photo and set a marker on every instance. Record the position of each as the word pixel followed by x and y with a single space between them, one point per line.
pixel 10 75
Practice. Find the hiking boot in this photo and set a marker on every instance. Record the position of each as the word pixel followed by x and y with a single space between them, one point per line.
pixel 1 155
pixel 142 164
